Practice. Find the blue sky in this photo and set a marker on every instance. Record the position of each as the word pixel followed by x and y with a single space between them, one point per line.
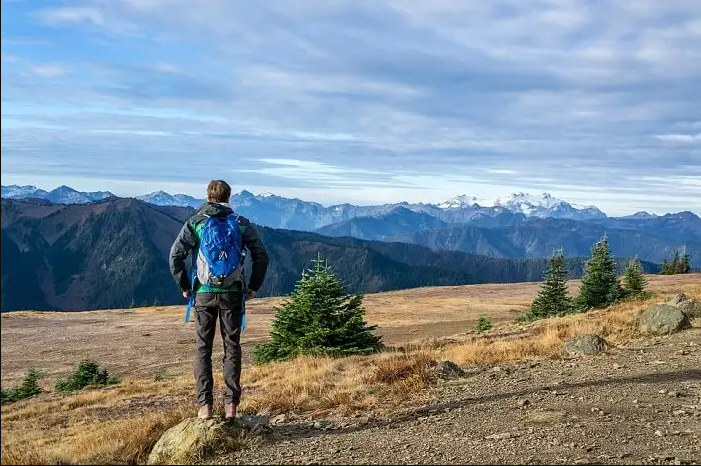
pixel 597 102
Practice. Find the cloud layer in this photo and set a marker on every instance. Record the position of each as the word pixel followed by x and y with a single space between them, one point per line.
pixel 362 101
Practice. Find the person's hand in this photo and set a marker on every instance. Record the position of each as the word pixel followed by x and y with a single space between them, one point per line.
pixel 250 294
pixel 186 294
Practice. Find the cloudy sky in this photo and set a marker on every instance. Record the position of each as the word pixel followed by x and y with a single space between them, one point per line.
pixel 597 102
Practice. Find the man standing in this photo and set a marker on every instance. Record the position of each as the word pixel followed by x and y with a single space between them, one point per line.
pixel 217 237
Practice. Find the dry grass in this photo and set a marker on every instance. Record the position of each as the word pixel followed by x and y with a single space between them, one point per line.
pixel 118 425
pixel 345 385
pixel 155 340
pixel 544 339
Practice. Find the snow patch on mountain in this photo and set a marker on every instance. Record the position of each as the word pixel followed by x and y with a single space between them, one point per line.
pixel 18 192
pixel 642 215
pixel 163 198
pixel 60 195
pixel 546 205
pixel 460 202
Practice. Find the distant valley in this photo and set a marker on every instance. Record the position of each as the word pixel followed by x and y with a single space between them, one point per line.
pixel 517 236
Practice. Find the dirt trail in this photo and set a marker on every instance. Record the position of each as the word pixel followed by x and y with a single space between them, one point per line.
pixel 635 405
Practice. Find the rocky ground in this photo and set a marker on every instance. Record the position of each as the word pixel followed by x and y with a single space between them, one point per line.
pixel 635 405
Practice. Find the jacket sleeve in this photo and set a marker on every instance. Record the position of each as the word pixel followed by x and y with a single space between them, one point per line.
pixel 183 245
pixel 259 255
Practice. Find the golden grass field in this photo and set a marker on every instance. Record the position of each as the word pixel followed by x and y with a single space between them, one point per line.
pixel 119 424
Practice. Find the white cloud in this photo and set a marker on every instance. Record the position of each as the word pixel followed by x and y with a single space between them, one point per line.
pixel 313 172
pixel 73 15
pixel 517 92
pixel 164 67
pixel 501 171
pixel 684 138
pixel 48 71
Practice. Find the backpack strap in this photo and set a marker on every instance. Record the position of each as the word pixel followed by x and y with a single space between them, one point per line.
pixel 193 278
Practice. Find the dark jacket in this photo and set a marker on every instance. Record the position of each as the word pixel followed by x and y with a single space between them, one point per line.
pixel 188 241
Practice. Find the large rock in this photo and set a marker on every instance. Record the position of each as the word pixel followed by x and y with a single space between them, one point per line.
pixel 585 345
pixel 689 306
pixel 663 319
pixel 195 439
pixel 448 370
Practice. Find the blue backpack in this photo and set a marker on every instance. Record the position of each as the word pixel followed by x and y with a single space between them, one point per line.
pixel 220 257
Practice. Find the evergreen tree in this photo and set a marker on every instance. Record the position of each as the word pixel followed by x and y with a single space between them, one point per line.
pixel 633 280
pixel 319 319
pixel 676 263
pixel 600 284
pixel 666 267
pixel 552 299
pixel 685 266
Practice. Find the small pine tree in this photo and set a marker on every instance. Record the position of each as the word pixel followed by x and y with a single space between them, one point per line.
pixel 86 374
pixel 685 266
pixel 666 267
pixel 319 319
pixel 600 284
pixel 633 280
pixel 552 299
pixel 483 324
pixel 28 388
pixel 676 263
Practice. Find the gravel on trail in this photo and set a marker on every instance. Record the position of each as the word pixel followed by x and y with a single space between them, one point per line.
pixel 635 405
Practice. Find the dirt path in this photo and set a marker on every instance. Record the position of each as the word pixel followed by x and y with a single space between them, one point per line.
pixel 634 405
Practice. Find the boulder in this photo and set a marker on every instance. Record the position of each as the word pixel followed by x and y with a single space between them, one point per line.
pixel 195 439
pixel 663 319
pixel 585 345
pixel 678 299
pixel 448 370
pixel 689 306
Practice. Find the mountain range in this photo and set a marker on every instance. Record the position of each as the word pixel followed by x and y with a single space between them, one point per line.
pixel 519 226
pixel 61 195
pixel 280 212
pixel 113 254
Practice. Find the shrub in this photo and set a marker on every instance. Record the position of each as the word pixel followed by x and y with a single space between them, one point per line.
pixel 483 324
pixel 87 374
pixel 161 375
pixel 28 388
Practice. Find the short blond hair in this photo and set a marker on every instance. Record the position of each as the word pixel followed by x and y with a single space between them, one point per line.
pixel 218 191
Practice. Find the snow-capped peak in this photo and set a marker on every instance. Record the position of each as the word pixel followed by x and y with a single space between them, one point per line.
pixel 15 191
pixel 526 202
pixel 546 205
pixel 266 195
pixel 642 215
pixel 458 202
